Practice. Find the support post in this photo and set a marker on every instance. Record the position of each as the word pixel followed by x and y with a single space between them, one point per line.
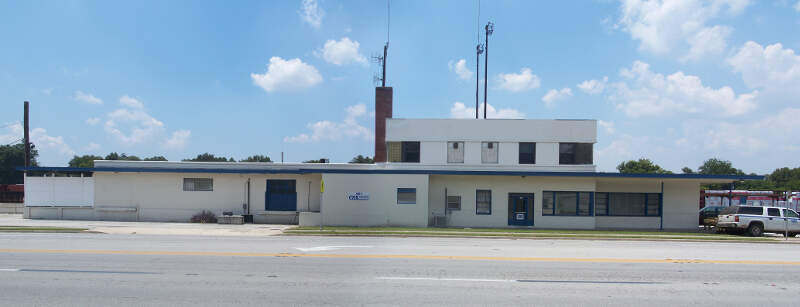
pixel 27 138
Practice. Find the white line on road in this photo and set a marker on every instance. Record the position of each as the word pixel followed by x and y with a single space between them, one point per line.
pixel 9 270
pixel 447 279
pixel 328 248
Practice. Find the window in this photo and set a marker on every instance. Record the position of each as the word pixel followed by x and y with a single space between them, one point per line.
pixel 455 152
pixel 406 195
pixel 394 151
pixel 751 210
pixel 410 151
pixel 198 184
pixel 789 213
pixel 773 212
pixel 483 202
pixel 489 152
pixel 567 203
pixel 453 202
pixel 628 204
pixel 527 153
pixel 575 153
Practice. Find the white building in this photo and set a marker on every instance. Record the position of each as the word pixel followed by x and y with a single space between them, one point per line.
pixel 439 172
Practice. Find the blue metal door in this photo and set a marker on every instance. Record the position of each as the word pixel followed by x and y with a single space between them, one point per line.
pixel 280 195
pixel 520 209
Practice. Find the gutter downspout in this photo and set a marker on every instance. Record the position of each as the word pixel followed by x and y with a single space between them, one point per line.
pixel 661 208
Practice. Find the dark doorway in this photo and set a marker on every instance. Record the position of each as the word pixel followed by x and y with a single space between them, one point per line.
pixel 281 195
pixel 520 209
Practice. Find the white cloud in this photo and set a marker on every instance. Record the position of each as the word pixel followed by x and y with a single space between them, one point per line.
pixel 593 86
pixel 797 6
pixel 554 95
pixel 707 41
pixel 663 26
pixel 459 110
pixel 345 51
pixel 757 138
pixel 178 139
pixel 88 98
pixel 770 67
pixel 523 81
pixel 287 75
pixel 607 125
pixel 13 133
pixel 47 91
pixel 130 102
pixel 622 148
pixel 460 68
pixel 333 131
pixel 647 93
pixel 91 121
pixel 311 13
pixel 46 143
pixel 92 146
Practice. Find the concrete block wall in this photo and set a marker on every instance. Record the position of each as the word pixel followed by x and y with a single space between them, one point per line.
pixel 381 209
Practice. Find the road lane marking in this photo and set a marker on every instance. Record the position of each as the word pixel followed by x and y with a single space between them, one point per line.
pixel 391 256
pixel 329 248
pixel 520 280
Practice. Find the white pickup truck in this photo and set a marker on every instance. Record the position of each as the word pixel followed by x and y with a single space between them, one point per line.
pixel 757 220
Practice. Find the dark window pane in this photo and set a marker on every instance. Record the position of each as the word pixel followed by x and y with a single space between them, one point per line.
pixel 601 203
pixel 566 153
pixel 583 153
pixel 410 151
pixel 566 203
pixel 584 203
pixel 773 212
pixel 406 195
pixel 483 202
pixel 653 201
pixel 527 153
pixel 751 210
pixel 547 203
pixel 626 204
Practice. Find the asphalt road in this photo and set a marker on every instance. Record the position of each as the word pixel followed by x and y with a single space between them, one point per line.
pixel 109 270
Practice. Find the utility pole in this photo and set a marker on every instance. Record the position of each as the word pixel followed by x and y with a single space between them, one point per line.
pixel 489 30
pixel 478 51
pixel 27 138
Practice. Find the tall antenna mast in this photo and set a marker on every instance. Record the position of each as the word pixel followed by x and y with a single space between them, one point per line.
pixel 382 59
pixel 478 51
pixel 489 31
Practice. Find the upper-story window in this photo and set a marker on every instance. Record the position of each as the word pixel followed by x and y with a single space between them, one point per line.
pixel 527 153
pixel 489 152
pixel 403 152
pixel 575 153
pixel 455 152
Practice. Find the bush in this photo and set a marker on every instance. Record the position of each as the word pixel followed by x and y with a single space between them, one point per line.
pixel 204 216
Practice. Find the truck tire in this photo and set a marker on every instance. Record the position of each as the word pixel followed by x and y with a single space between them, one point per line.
pixel 755 230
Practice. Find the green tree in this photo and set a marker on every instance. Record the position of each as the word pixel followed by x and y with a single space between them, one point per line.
pixel 207 157
pixel 123 156
pixel 716 166
pixel 323 160
pixel 362 159
pixel 12 156
pixel 257 158
pixel 687 170
pixel 84 161
pixel 641 166
pixel 156 158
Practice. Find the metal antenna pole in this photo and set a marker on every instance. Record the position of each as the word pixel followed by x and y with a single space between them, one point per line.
pixel 27 138
pixel 478 51
pixel 489 31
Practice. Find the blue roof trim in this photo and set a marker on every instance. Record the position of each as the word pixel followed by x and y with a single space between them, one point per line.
pixel 384 171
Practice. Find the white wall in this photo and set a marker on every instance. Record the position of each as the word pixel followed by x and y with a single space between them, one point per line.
pixel 501 186
pixel 59 191
pixel 681 205
pixel 500 130
pixel 547 154
pixel 160 196
pixel 381 209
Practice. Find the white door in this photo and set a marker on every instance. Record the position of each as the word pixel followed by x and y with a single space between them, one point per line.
pixel 774 222
pixel 792 219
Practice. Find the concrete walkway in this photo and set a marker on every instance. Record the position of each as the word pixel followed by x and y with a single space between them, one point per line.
pixel 150 228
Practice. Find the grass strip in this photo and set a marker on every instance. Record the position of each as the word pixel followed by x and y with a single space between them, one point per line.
pixel 39 229
pixel 518 235
pixel 503 230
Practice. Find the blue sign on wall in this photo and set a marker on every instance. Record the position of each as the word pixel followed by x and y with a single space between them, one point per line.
pixel 357 195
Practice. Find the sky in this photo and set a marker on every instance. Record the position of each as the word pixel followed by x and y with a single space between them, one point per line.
pixel 677 82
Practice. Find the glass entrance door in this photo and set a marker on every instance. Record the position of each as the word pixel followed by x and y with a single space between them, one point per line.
pixel 520 209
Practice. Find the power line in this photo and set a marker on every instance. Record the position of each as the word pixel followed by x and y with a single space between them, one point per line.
pixel 13 142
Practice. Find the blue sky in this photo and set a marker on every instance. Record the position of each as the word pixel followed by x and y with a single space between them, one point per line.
pixel 674 81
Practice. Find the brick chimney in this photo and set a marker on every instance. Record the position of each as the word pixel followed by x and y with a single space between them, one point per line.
pixel 383 110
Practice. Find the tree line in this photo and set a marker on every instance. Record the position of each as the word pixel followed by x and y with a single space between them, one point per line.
pixel 88 160
pixel 782 179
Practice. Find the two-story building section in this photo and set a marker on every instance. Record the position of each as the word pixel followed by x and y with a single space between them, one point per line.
pixel 429 172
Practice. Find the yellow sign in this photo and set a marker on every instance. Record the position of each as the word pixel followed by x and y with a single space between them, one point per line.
pixel 322 186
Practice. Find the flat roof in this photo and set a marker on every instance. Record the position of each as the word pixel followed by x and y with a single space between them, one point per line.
pixel 320 168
